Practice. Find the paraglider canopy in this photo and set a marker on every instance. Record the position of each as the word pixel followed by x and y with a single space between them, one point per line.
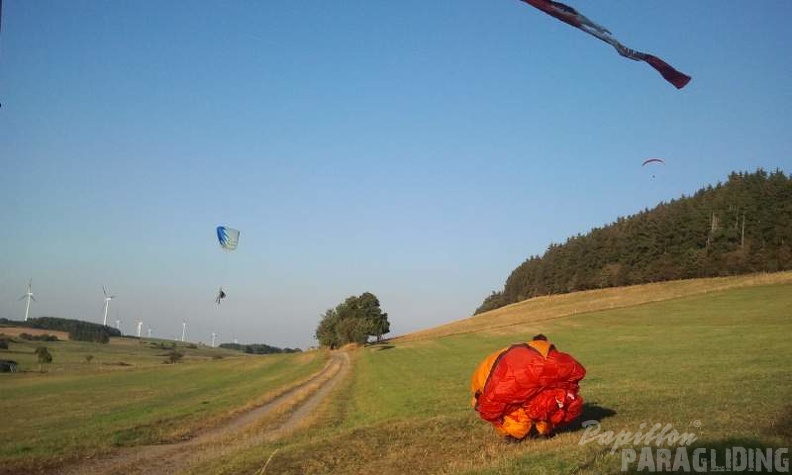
pixel 653 160
pixel 528 386
pixel 227 237
pixel 574 18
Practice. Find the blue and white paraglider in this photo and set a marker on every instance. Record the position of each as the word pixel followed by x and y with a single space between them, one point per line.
pixel 228 239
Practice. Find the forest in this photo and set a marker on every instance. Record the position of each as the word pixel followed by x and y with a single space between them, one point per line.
pixel 741 226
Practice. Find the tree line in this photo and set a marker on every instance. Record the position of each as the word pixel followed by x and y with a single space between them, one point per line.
pixel 258 348
pixel 741 226
pixel 354 320
pixel 77 329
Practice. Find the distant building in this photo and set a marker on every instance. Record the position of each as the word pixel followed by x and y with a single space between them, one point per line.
pixel 8 366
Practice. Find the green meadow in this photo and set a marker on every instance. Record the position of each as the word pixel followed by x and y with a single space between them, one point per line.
pixel 127 396
pixel 711 360
pixel 717 365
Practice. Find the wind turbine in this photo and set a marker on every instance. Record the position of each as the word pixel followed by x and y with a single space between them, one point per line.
pixel 184 329
pixel 139 327
pixel 108 298
pixel 213 339
pixel 29 297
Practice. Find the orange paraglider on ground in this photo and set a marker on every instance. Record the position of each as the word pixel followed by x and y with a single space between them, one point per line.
pixel 528 386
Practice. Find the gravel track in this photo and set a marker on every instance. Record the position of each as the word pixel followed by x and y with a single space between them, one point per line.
pixel 222 439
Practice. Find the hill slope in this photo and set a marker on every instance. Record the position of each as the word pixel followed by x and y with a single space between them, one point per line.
pixel 738 227
pixel 660 360
pixel 530 313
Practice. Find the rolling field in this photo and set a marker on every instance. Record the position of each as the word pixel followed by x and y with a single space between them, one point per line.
pixel 711 358
pixel 80 409
pixel 716 364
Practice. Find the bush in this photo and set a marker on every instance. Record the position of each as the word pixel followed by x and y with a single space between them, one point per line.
pixel 45 337
pixel 174 357
pixel 43 356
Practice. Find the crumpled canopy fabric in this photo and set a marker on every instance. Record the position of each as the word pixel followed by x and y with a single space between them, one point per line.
pixel 528 385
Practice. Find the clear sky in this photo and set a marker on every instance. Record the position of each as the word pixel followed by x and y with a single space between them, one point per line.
pixel 419 150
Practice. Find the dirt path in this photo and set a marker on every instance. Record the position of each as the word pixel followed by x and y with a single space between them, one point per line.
pixel 220 440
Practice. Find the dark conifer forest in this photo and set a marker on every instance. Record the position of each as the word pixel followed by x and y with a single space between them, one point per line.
pixel 741 226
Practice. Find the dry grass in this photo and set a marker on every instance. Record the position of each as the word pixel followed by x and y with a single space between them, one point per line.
pixel 534 311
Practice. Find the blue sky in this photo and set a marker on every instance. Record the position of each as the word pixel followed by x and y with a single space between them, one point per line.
pixel 417 150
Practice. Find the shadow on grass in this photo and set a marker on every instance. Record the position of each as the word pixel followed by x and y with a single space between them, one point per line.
pixel 381 346
pixel 591 411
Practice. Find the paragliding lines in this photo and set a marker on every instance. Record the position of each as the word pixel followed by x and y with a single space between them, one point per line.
pixel 228 238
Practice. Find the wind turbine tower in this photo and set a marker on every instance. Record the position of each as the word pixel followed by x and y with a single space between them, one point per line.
pixel 108 298
pixel 140 326
pixel 118 325
pixel 29 297
pixel 184 329
pixel 213 339
pixel 149 332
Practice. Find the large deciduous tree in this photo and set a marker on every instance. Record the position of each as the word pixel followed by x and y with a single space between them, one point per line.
pixel 353 321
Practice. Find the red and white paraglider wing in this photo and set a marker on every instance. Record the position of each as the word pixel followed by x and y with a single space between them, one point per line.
pixel 574 18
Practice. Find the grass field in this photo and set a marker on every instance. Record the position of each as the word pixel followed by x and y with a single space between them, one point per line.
pixel 715 364
pixel 80 409
pixel 71 356
pixel 712 358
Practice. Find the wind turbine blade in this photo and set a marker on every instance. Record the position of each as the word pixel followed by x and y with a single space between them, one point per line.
pixel 33 298
pixel 104 291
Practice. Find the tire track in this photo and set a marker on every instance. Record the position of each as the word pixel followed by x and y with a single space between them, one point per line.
pixel 222 439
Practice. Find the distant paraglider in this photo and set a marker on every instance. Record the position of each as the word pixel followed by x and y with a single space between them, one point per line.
pixel 653 160
pixel 228 238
